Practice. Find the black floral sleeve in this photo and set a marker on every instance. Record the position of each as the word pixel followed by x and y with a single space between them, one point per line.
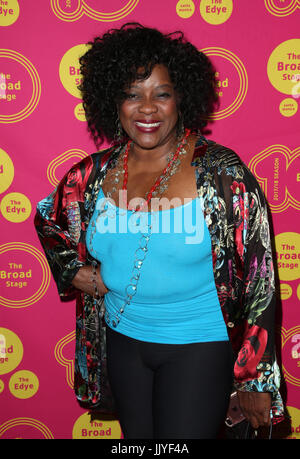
pixel 236 214
pixel 58 224
pixel 256 367
pixel 256 363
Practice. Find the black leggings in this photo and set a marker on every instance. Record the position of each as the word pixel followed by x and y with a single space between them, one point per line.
pixel 169 390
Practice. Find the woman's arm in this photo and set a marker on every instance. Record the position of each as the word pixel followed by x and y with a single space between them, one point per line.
pixel 256 371
pixel 60 227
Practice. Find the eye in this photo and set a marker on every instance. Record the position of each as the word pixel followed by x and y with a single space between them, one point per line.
pixel 130 96
pixel 164 95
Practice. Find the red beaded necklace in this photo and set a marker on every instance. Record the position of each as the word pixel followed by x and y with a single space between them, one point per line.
pixel 156 184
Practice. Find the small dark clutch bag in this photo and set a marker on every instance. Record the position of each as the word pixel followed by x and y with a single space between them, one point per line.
pixel 234 414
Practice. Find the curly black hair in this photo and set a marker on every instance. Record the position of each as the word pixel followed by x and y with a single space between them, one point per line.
pixel 114 61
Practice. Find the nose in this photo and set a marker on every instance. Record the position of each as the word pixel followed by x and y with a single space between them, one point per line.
pixel 147 106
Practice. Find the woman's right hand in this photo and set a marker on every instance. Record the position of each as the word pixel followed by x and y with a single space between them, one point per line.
pixel 83 280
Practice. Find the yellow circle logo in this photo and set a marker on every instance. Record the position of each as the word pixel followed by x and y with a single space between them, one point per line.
pixel 9 12
pixel 290 342
pixel 69 71
pixel 294 413
pixel 288 107
pixel 1 386
pixel 11 428
pixel 281 8
pixel 216 13
pixel 23 384
pixel 11 351
pixel 14 277
pixel 79 112
pixel 285 291
pixel 63 359
pixel 276 169
pixel 12 93
pixel 73 154
pixel 15 207
pixel 85 429
pixel 284 66
pixel 185 8
pixel 7 171
pixel 70 11
pixel 288 256
pixel 236 90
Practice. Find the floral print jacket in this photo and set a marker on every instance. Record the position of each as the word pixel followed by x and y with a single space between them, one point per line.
pixel 236 216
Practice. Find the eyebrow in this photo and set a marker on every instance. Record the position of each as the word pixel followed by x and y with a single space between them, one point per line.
pixel 157 87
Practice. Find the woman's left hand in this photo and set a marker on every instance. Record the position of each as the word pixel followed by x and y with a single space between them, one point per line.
pixel 256 407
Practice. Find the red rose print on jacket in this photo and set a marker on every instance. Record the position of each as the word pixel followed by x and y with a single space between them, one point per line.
pixel 252 350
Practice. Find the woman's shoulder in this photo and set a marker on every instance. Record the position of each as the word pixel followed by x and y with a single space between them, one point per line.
pixel 91 162
pixel 219 156
pixel 226 162
pixel 101 157
pixel 222 156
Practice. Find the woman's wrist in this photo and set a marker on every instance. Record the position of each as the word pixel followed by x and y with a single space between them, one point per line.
pixel 88 279
pixel 94 279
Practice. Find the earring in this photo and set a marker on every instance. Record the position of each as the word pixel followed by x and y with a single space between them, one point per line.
pixel 119 132
pixel 180 126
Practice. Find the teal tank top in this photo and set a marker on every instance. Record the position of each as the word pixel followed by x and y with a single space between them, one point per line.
pixel 176 299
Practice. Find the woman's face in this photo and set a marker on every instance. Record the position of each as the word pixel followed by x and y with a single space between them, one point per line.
pixel 149 112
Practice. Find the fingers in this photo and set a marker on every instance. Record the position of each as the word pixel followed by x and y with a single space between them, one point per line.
pixel 102 289
pixel 85 280
pixel 254 422
pixel 266 418
pixel 259 419
pixel 256 408
pixel 252 417
pixel 100 284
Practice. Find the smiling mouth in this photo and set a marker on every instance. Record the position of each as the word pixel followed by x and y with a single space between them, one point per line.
pixel 147 125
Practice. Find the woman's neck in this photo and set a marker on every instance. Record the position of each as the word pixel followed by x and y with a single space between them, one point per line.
pixel 151 159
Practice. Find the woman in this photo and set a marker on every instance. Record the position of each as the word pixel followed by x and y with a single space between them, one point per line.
pixel 161 312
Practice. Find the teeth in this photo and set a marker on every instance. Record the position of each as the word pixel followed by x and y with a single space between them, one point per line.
pixel 147 124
